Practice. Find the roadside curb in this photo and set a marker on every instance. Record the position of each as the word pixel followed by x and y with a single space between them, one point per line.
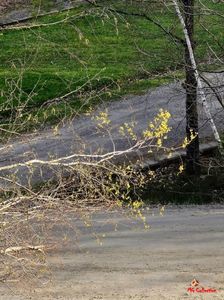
pixel 176 156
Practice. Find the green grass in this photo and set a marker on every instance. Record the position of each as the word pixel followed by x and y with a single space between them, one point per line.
pixel 99 57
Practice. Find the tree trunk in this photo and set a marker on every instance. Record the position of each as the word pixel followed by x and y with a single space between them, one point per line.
pixel 192 155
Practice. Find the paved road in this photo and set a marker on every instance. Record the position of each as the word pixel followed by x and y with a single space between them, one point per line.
pixel 82 132
pixel 24 10
pixel 133 263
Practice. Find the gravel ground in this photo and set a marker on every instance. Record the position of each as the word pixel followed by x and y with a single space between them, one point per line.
pixel 132 263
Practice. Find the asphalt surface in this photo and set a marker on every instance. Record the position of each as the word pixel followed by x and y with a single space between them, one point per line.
pixel 134 263
pixel 82 133
pixel 22 10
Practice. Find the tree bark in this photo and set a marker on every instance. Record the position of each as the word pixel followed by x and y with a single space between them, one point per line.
pixel 192 150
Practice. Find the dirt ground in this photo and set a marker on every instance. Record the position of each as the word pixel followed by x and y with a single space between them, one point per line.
pixel 134 263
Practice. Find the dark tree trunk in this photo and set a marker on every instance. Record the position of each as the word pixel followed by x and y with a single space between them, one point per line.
pixel 192 158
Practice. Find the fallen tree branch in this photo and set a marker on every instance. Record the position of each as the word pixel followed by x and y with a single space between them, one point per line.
pixel 16 249
pixel 31 26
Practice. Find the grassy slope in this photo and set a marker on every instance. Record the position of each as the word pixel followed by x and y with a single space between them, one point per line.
pixel 60 58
